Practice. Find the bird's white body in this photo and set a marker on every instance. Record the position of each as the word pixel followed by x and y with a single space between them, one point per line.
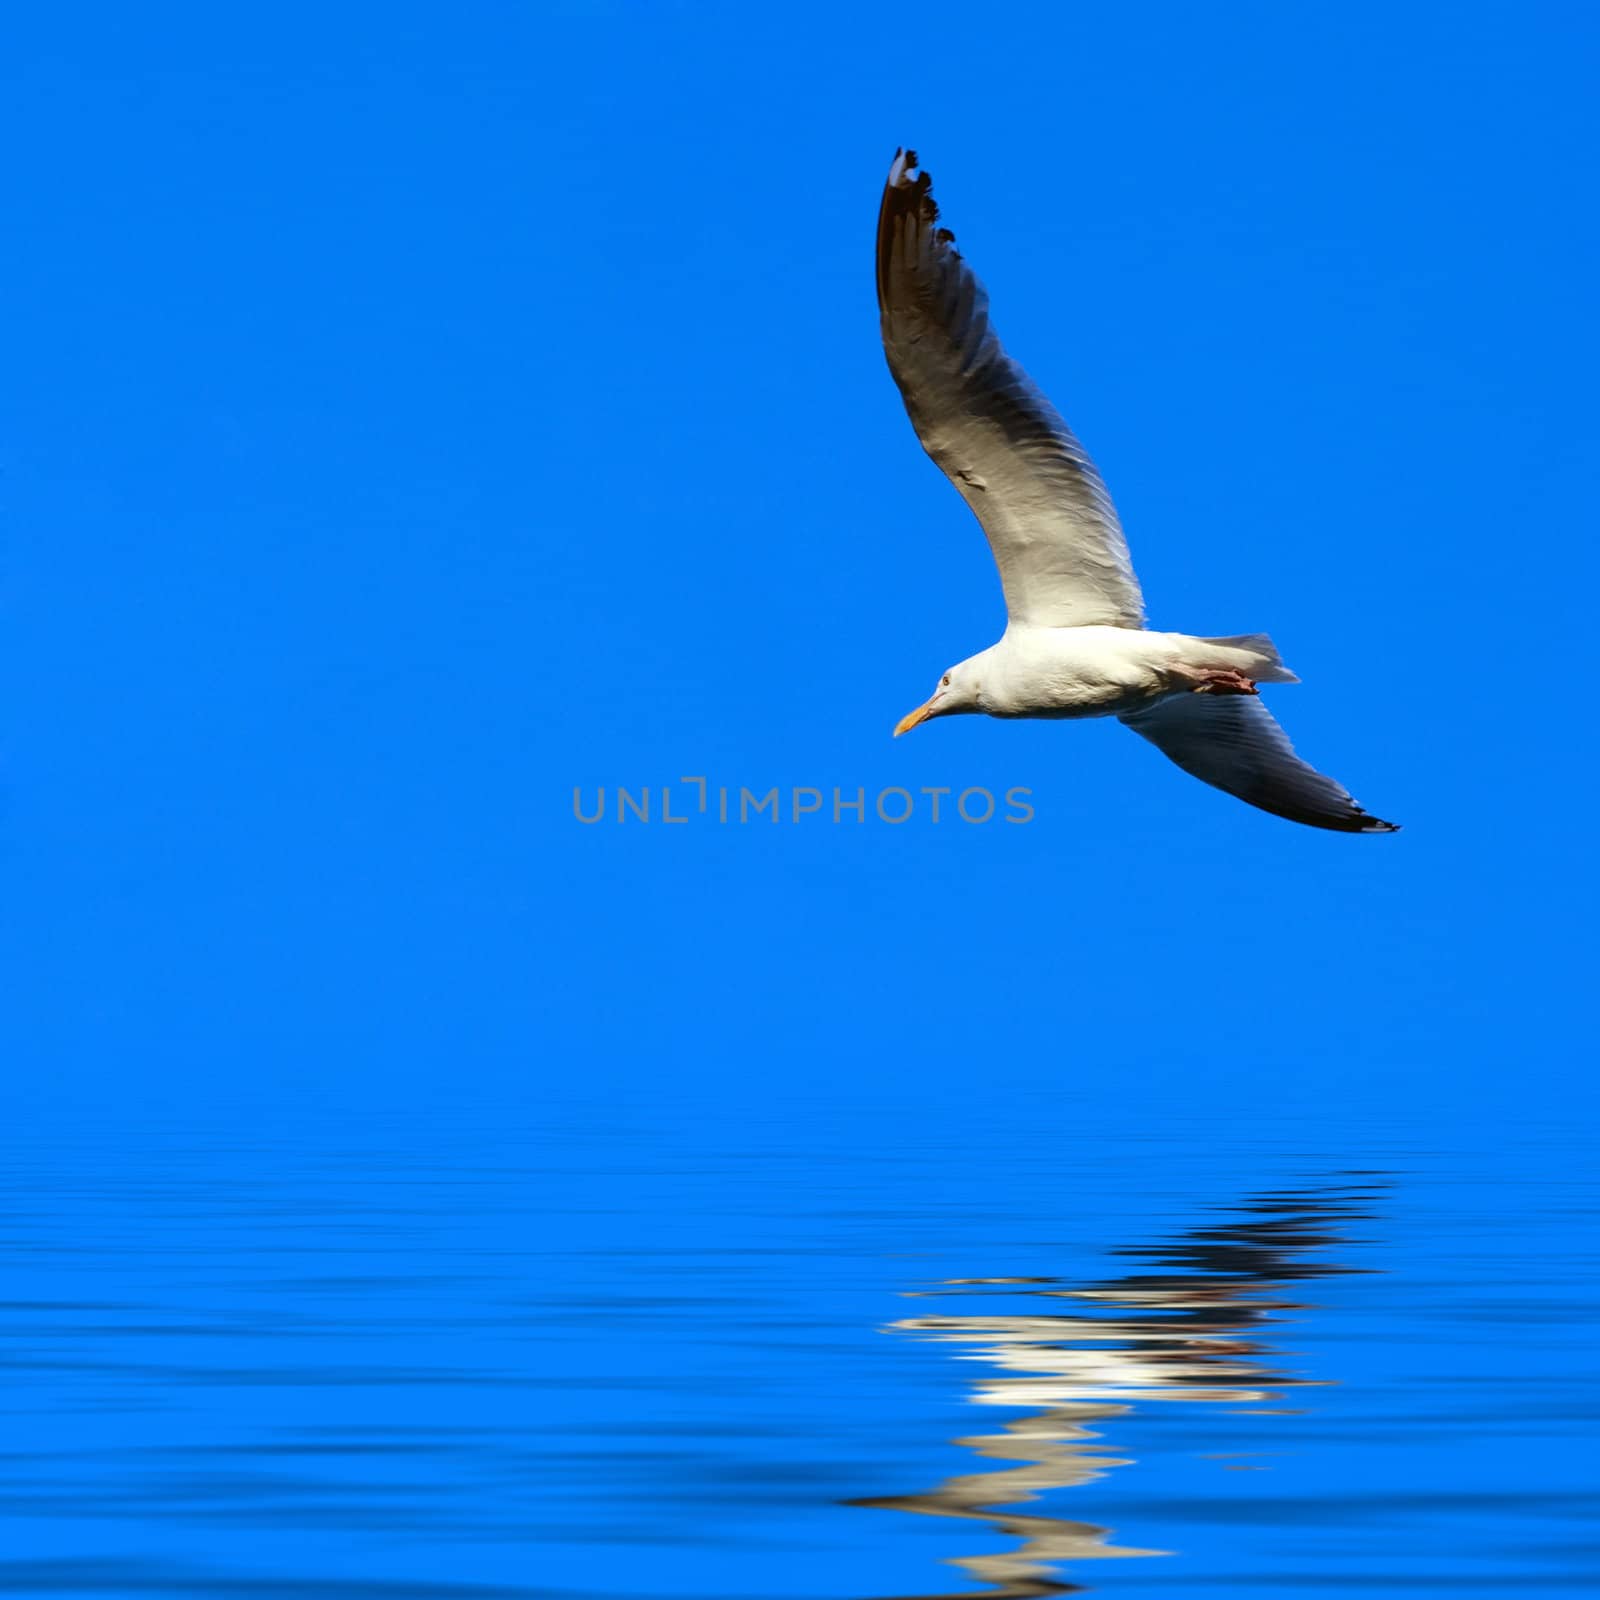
pixel 1104 671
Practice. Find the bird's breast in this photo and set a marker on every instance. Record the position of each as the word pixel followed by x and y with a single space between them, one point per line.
pixel 1076 672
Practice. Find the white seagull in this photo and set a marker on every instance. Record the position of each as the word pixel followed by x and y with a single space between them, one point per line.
pixel 1075 643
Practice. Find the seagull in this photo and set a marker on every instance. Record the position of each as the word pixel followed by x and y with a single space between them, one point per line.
pixel 1075 643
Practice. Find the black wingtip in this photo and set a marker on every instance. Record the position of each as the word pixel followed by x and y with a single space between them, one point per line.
pixel 909 188
pixel 907 203
pixel 892 208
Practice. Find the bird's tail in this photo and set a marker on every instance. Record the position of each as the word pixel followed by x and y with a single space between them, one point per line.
pixel 1256 656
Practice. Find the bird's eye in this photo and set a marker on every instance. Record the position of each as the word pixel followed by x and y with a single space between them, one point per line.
pixel 944 682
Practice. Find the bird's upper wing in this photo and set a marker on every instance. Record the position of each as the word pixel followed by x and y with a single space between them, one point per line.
pixel 1054 532
pixel 1234 743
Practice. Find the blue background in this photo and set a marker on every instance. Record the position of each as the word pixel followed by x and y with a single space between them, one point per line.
pixel 415 416
pixel 419 412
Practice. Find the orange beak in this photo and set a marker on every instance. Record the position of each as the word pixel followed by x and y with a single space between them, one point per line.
pixel 907 723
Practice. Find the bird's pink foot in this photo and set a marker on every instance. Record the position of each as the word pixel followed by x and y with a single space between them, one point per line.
pixel 1225 681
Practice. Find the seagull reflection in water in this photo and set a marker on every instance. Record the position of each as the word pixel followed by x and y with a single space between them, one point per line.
pixel 1190 1326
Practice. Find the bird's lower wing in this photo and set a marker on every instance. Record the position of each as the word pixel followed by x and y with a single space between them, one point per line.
pixel 1235 744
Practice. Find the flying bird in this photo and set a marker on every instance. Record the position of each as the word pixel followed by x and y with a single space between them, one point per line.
pixel 1075 643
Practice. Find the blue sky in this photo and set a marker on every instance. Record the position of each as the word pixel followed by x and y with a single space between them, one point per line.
pixel 418 412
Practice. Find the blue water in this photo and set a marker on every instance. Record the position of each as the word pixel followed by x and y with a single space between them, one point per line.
pixel 631 1348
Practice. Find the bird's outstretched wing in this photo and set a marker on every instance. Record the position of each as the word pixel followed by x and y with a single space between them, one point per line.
pixel 1235 744
pixel 1054 532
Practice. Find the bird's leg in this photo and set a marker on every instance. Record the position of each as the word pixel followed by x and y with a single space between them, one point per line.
pixel 1224 680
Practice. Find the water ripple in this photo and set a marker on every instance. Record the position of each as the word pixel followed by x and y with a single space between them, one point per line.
pixel 459 1359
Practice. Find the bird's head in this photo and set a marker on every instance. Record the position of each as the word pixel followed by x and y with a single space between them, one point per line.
pixel 958 691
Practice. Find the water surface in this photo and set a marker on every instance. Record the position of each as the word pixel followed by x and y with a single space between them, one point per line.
pixel 619 1349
